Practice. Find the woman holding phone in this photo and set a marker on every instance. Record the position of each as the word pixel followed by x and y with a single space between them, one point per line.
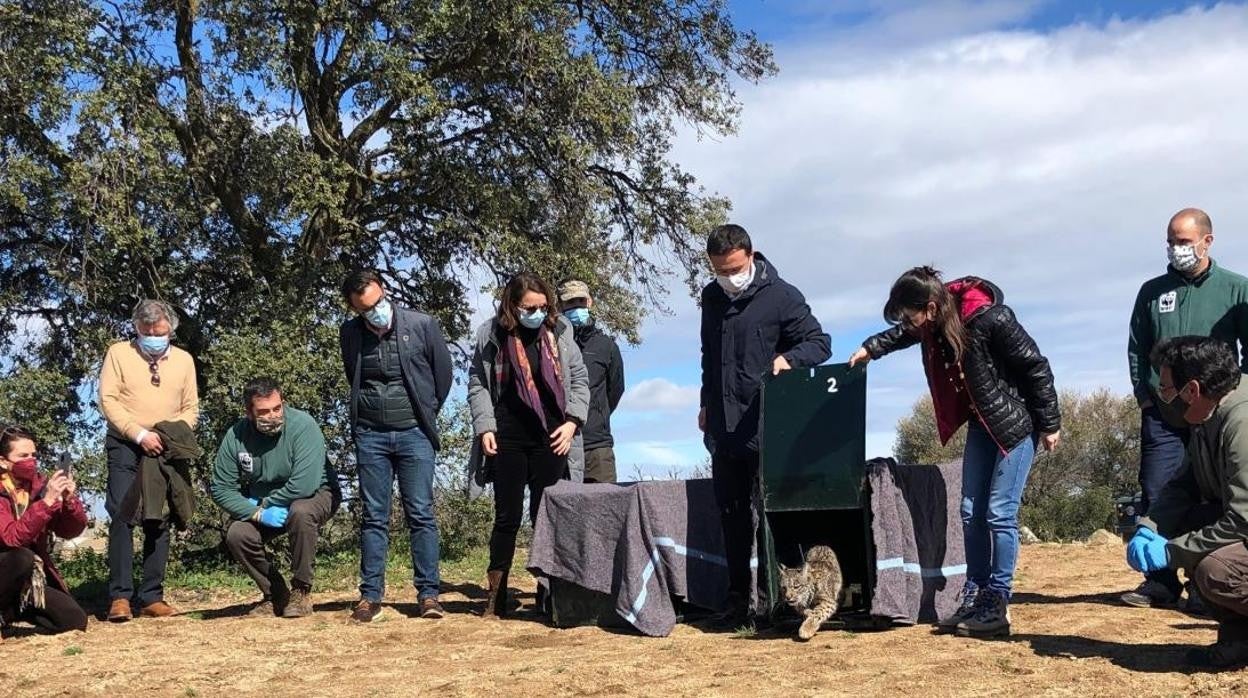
pixel 32 509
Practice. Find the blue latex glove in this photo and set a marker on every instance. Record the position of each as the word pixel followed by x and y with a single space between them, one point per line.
pixel 1146 552
pixel 254 502
pixel 274 517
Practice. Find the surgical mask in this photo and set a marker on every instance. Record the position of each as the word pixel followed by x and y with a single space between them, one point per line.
pixel 1183 257
pixel 381 314
pixel 24 470
pixel 533 319
pixel 579 317
pixel 270 426
pixel 153 346
pixel 736 283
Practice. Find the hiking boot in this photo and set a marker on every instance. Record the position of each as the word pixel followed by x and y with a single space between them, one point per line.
pixel 279 593
pixel 1193 604
pixel 119 611
pixel 430 608
pixel 990 617
pixel 263 608
pixel 1223 654
pixel 366 611
pixel 1151 594
pixel 299 605
pixel 496 596
pixel 157 609
pixel 964 611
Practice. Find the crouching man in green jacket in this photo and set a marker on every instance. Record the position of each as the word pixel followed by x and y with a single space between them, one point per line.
pixel 1199 523
pixel 272 476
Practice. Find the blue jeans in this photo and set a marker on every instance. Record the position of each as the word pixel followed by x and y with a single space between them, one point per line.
pixel 1161 460
pixel 381 458
pixel 992 489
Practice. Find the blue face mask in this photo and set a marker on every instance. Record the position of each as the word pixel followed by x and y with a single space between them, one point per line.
pixel 380 315
pixel 534 319
pixel 579 317
pixel 153 345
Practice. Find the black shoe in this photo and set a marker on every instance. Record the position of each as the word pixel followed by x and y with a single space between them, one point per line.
pixel 965 611
pixel 1151 594
pixel 1223 654
pixel 991 617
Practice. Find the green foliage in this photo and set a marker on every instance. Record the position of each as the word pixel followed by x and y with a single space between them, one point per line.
pixel 918 440
pixel 1070 491
pixel 1069 517
pixel 237 158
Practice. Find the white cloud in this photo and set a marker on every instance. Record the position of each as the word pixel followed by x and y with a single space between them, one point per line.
pixel 1046 162
pixel 660 395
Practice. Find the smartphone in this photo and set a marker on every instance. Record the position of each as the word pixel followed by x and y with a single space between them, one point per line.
pixel 65 464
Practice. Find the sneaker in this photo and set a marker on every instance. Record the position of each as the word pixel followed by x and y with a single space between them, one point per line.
pixel 1223 654
pixel 157 609
pixel 430 608
pixel 366 611
pixel 1151 594
pixel 991 617
pixel 966 609
pixel 299 605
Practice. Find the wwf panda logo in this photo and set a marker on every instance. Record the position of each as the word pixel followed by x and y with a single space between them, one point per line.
pixel 245 463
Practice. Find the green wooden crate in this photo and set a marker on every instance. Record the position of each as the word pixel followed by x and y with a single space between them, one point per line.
pixel 813 473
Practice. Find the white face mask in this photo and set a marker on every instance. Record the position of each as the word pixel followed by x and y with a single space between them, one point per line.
pixel 1183 257
pixel 738 282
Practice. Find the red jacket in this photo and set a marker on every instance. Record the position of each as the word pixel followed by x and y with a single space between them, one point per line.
pixel 946 379
pixel 67 519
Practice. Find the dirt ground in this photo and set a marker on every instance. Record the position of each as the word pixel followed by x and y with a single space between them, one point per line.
pixel 1071 638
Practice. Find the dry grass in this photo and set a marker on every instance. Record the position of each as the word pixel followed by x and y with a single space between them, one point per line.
pixel 1070 639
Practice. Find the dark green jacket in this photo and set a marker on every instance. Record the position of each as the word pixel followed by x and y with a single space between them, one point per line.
pixel 162 491
pixel 1206 507
pixel 276 470
pixel 1214 304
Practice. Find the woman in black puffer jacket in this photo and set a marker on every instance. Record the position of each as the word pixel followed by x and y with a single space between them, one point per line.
pixel 983 368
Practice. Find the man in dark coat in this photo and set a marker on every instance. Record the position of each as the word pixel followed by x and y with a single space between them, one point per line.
pixel 606 379
pixel 399 369
pixel 753 324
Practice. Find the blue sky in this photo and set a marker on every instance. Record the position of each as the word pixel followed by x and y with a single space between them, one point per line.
pixel 1042 145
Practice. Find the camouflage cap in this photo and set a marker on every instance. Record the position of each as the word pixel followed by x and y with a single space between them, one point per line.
pixel 570 290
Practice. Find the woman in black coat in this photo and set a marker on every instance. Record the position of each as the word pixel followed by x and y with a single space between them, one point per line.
pixel 983 369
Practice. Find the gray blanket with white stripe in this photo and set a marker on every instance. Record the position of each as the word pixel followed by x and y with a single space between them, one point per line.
pixel 641 543
pixel 917 527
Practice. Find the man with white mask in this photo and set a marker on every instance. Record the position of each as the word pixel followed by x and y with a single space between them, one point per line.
pixel 1195 296
pixel 753 323
pixel 399 369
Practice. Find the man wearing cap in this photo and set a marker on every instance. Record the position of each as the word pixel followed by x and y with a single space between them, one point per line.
pixel 606 380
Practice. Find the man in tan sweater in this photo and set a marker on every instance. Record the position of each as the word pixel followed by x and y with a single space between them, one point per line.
pixel 143 382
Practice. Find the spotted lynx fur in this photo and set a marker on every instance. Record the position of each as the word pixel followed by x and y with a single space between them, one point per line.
pixel 814 589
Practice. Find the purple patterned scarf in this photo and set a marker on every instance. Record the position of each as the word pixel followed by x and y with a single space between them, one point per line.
pixel 552 374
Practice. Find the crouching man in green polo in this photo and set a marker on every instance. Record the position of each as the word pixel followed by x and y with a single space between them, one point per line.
pixel 272 476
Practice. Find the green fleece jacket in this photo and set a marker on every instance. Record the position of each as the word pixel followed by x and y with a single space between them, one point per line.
pixel 1214 304
pixel 1213 487
pixel 275 470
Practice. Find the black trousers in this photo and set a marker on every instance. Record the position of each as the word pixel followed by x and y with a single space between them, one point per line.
pixel 515 467
pixel 246 541
pixel 123 468
pixel 60 613
pixel 735 478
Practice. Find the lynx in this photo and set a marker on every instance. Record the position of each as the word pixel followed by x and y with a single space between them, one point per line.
pixel 813 590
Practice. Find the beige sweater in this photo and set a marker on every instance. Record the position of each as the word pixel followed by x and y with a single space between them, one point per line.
pixel 132 405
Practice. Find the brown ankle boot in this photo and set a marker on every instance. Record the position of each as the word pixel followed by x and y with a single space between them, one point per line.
pixel 496 599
